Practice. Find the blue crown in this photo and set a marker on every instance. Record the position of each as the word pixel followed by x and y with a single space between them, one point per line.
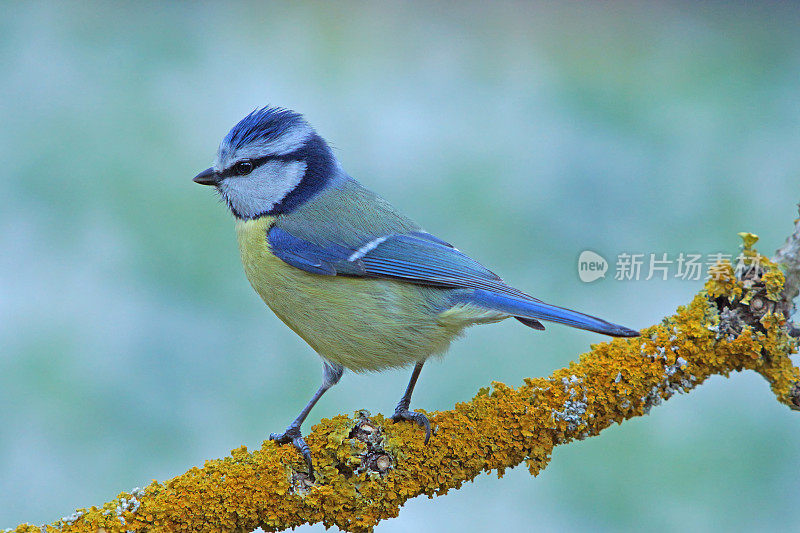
pixel 265 124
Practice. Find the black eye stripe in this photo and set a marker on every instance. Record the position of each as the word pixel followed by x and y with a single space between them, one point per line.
pixel 232 171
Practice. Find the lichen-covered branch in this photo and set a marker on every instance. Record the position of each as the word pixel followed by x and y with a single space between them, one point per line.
pixel 367 467
pixel 788 257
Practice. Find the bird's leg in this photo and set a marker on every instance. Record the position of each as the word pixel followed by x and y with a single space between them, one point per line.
pixel 402 412
pixel 331 374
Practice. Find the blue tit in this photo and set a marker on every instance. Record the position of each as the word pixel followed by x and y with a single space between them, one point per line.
pixel 360 282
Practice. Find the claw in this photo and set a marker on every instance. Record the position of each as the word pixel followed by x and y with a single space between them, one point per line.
pixel 412 416
pixel 292 434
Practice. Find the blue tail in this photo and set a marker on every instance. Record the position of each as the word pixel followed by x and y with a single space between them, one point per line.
pixel 532 310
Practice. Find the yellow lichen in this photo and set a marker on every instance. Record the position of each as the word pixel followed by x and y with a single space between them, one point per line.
pixel 498 429
pixel 773 283
pixel 722 281
pixel 748 241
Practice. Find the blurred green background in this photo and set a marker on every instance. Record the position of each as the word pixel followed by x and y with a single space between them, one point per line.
pixel 132 347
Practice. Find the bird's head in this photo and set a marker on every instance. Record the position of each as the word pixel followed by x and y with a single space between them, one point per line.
pixel 271 162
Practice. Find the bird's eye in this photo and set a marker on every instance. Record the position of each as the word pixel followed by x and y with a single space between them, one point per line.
pixel 243 167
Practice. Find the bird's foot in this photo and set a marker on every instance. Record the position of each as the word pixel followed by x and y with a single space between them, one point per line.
pixel 292 434
pixel 402 413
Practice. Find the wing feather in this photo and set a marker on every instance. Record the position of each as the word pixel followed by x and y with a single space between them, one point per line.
pixel 415 257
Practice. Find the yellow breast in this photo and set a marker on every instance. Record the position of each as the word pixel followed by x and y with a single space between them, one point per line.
pixel 362 324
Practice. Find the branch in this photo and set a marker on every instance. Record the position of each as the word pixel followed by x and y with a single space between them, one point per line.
pixel 367 467
pixel 788 257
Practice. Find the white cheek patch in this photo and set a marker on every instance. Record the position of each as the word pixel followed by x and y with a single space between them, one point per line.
pixel 264 188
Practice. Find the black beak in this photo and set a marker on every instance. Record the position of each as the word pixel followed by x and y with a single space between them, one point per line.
pixel 207 177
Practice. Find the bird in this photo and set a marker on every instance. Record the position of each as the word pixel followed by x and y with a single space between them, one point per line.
pixel 364 285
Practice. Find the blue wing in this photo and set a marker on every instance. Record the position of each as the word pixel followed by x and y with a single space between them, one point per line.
pixel 419 257
pixel 416 257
